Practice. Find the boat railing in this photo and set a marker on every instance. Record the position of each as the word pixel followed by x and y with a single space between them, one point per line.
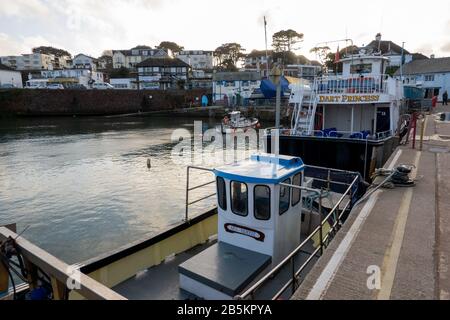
pixel 335 134
pixel 353 84
pixel 37 264
pixel 324 238
pixel 189 189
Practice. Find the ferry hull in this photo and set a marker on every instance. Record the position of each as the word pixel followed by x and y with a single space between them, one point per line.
pixel 344 154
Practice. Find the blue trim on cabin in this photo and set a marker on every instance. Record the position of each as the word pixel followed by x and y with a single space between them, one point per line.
pixel 293 164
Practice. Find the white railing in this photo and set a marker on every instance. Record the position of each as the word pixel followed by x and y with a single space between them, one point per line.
pixel 353 84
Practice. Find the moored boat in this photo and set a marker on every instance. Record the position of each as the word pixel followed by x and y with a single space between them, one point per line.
pixel 236 123
pixel 349 121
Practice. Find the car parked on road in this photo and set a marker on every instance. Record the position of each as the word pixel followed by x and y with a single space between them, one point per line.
pixel 55 86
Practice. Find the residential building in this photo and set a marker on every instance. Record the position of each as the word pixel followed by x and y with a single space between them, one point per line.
pixel 259 61
pixel 10 77
pixel 124 83
pixel 394 52
pixel 63 62
pixel 83 61
pixel 163 73
pixel 198 59
pixel 33 61
pixel 131 58
pixel 433 75
pixel 85 77
pixel 201 79
pixel 229 86
pixel 307 72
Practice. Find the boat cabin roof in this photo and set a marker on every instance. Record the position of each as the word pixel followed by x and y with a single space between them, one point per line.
pixel 355 58
pixel 262 168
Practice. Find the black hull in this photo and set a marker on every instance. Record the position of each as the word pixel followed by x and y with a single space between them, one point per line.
pixel 344 154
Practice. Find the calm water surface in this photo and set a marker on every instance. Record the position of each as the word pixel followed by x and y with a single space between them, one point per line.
pixel 82 185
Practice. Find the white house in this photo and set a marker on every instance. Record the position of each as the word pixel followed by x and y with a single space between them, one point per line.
pixel 82 61
pixel 433 75
pixel 162 73
pixel 10 77
pixel 84 77
pixel 198 59
pixel 234 85
pixel 33 61
pixel 131 58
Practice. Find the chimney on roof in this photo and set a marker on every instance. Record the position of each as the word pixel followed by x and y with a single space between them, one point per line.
pixel 378 37
pixel 432 56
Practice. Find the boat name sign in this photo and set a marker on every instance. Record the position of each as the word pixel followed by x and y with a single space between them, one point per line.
pixel 349 98
pixel 257 235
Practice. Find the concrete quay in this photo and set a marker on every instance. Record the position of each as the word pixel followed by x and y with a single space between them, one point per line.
pixel 395 245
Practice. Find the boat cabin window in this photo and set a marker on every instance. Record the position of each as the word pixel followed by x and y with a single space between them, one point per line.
pixel 296 193
pixel 361 68
pixel 285 197
pixel 262 202
pixel 239 198
pixel 221 193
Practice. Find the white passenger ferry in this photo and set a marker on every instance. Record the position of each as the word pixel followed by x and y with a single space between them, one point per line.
pixel 348 121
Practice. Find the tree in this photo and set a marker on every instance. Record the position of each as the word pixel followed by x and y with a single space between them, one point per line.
pixel 52 51
pixel 229 55
pixel 285 40
pixel 107 53
pixel 122 72
pixel 168 45
pixel 321 52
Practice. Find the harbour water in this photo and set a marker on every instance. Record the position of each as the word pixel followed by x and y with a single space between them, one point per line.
pixel 83 187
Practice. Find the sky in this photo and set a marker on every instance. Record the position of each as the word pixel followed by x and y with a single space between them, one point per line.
pixel 92 26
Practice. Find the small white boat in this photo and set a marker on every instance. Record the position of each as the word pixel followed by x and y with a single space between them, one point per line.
pixel 235 123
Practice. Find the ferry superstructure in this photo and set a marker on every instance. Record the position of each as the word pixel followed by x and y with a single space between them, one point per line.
pixel 348 121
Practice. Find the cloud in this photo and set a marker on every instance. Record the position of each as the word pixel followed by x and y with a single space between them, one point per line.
pixel 24 8
pixel 446 47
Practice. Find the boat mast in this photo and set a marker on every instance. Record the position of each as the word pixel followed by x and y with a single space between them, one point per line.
pixel 267 51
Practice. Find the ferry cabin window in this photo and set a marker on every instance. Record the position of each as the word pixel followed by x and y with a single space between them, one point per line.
pixel 285 197
pixel 239 198
pixel 221 193
pixel 361 68
pixel 262 203
pixel 296 193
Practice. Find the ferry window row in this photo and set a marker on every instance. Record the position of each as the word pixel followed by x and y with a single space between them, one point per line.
pixel 289 197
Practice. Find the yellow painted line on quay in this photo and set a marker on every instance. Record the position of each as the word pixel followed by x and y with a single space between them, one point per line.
pixel 391 257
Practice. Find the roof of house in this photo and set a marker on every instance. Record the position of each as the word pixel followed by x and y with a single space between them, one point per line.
pixel 129 53
pixel 194 52
pixel 163 62
pixel 419 56
pixel 437 65
pixel 237 76
pixel 386 47
pixel 82 54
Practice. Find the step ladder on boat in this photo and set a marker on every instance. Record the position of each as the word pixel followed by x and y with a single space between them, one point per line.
pixel 305 102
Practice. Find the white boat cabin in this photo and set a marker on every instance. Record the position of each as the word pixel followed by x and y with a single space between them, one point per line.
pixel 259 224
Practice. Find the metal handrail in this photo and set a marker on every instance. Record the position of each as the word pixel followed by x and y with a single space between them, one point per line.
pixel 346 134
pixel 367 84
pixel 291 257
pixel 189 189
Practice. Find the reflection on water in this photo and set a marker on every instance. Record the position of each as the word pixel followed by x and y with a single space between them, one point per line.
pixel 83 186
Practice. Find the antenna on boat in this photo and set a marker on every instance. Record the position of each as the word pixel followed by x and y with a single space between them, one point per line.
pixel 267 51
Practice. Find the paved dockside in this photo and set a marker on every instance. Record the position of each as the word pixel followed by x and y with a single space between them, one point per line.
pixel 396 245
